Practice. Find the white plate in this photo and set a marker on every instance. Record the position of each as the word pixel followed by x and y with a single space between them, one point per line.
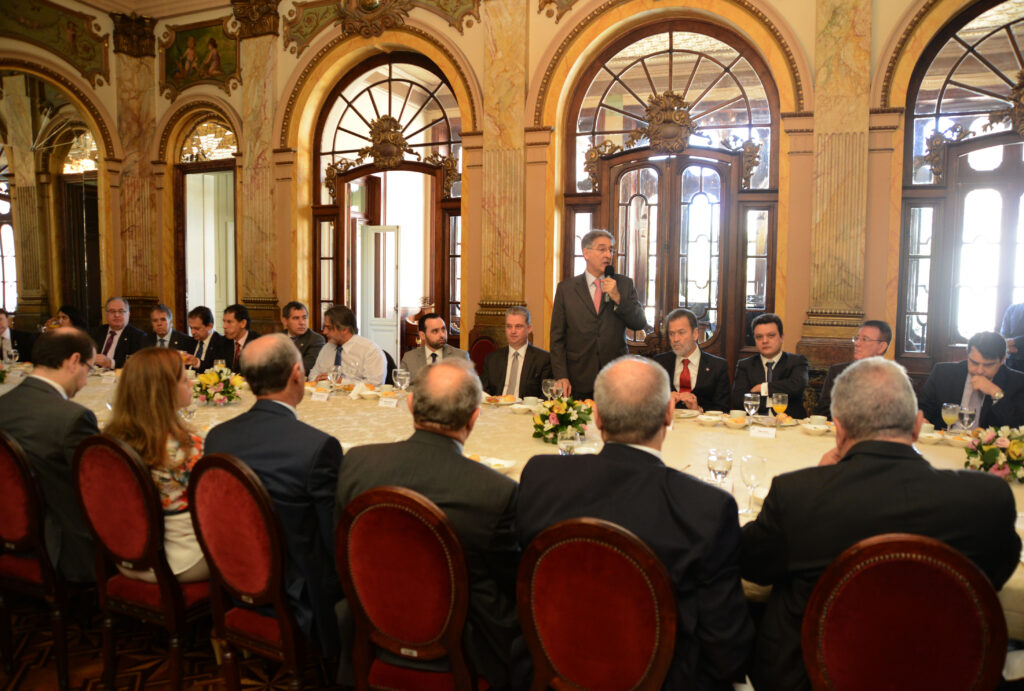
pixel 685 413
pixel 929 438
pixel 499 402
pixel 521 409
pixel 369 394
pixel 495 463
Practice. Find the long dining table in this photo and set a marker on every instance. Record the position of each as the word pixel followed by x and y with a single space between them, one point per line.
pixel 503 439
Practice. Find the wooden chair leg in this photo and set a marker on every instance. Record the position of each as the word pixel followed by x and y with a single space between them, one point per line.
pixel 109 653
pixel 6 639
pixel 229 668
pixel 60 644
pixel 174 661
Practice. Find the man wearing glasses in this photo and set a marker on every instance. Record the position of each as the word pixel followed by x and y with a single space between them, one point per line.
pixel 117 339
pixel 872 340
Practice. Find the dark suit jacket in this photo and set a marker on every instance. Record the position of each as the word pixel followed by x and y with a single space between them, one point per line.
pixel 178 341
pixel 480 503
pixel 49 430
pixel 298 465
pixel 712 386
pixel 946 382
pixel 129 342
pixel 789 376
pixel 220 348
pixel 22 341
pixel 232 363
pixel 690 525
pixel 582 340
pixel 535 368
pixel 812 515
pixel 309 345
pixel 825 399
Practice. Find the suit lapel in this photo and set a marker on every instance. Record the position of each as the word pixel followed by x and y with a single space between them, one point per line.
pixel 583 291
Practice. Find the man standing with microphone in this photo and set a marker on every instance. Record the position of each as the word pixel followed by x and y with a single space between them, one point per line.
pixel 590 316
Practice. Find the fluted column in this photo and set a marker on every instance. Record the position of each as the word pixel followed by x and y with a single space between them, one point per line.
pixel 839 224
pixel 30 226
pixel 503 164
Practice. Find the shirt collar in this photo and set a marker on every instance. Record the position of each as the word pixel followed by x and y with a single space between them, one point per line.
pixel 439 351
pixel 693 357
pixel 774 360
pixel 57 387
pixel 521 350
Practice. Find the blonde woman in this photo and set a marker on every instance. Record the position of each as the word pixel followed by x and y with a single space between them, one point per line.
pixel 151 390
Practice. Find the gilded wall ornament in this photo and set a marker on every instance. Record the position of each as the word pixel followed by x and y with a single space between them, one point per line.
pixel 669 125
pixel 133 35
pixel 935 154
pixel 388 146
pixel 369 18
pixel 450 167
pixel 593 158
pixel 751 157
pixel 556 8
pixel 1015 113
pixel 256 17
pixel 73 36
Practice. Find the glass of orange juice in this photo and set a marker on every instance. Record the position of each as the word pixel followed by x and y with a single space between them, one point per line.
pixel 779 402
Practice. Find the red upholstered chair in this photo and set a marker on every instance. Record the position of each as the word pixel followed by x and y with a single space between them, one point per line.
pixel 404 574
pixel 25 566
pixel 478 352
pixel 120 503
pixel 241 537
pixel 597 608
pixel 903 611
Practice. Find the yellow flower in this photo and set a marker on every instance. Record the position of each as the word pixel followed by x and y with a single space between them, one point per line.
pixel 208 378
pixel 558 408
pixel 536 420
pixel 1016 450
pixel 237 380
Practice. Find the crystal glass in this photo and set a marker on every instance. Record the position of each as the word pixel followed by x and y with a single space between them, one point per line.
pixel 967 416
pixel 754 471
pixel 779 402
pixel 10 357
pixel 220 363
pixel 568 440
pixel 547 387
pixel 751 402
pixel 719 464
pixel 188 413
pixel 401 378
pixel 334 376
pixel 950 413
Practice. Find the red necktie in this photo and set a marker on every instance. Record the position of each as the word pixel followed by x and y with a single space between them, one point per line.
pixel 597 295
pixel 684 377
pixel 238 352
pixel 110 340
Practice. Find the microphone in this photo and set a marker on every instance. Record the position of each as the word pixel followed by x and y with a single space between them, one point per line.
pixel 609 272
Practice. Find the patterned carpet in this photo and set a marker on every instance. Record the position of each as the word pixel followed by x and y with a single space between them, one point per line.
pixel 142 658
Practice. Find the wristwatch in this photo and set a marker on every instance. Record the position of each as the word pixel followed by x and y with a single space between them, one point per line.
pixel 998 396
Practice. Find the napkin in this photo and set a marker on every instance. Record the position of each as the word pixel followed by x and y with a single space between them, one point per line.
pixel 356 390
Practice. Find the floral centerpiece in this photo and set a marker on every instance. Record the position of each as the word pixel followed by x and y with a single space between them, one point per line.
pixel 999 451
pixel 217 385
pixel 559 414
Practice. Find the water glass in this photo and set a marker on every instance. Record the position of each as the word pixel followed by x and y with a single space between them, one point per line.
pixel 754 471
pixel 334 376
pixel 967 416
pixel 547 387
pixel 401 378
pixel 719 465
pixel 751 402
pixel 188 413
pixel 568 440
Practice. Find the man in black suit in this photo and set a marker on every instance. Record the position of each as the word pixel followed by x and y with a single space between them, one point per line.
pixel 873 482
pixel 982 382
pixel 872 340
pixel 700 381
pixel 590 316
pixel 163 335
pixel 236 329
pixel 772 370
pixel 210 346
pixel 298 465
pixel 689 524
pixel 519 369
pixel 49 427
pixel 13 340
pixel 117 339
pixel 479 502
pixel 295 320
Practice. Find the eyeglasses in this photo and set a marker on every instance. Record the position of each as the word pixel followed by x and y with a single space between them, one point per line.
pixel 117 311
pixel 865 339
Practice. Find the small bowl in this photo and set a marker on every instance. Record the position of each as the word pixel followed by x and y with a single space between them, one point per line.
pixel 735 422
pixel 520 409
pixel 815 430
pixel 929 438
pixel 369 394
pixel 531 400
pixel 816 420
pixel 713 413
pixel 709 420
pixel 384 388
pixel 959 442
pixel 737 413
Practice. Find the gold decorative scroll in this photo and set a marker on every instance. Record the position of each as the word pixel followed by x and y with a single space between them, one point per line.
pixel 593 158
pixel 450 167
pixel 935 154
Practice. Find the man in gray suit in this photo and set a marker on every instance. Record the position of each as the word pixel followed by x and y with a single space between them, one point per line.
pixel 295 320
pixel 434 337
pixel 590 316
pixel 479 502
pixel 49 427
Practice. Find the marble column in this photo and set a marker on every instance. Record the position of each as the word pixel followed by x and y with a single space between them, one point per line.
pixel 503 164
pixel 839 223
pixel 139 240
pixel 30 219
pixel 258 31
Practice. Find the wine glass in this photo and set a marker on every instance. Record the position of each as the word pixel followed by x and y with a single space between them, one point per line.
pixel 967 416
pixel 753 470
pixel 719 465
pixel 547 387
pixel 568 440
pixel 751 402
pixel 334 376
pixel 950 413
pixel 188 413
pixel 779 402
pixel 401 378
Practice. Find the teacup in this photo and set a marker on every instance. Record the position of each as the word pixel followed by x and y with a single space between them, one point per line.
pixel 737 413
pixel 817 419
pixel 386 387
pixel 530 400
pixel 927 428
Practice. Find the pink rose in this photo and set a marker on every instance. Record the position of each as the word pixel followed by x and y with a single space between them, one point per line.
pixel 1003 443
pixel 553 419
pixel 988 436
pixel 1000 469
pixel 202 399
pixel 973 444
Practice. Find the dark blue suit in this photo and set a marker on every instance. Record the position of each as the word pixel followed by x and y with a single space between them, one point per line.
pixel 946 383
pixel 690 525
pixel 712 385
pixel 298 464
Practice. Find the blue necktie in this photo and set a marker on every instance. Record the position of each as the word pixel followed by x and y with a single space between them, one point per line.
pixel 337 357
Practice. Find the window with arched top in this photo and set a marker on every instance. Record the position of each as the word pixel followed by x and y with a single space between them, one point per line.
pixel 675 152
pixel 82 154
pixel 388 152
pixel 209 140
pixel 962 258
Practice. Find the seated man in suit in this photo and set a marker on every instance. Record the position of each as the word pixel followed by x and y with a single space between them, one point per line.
pixel 40 416
pixel 1012 329
pixel 236 329
pixel 12 340
pixel 117 339
pixel 480 502
pixel 295 320
pixel 163 335
pixel 360 358
pixel 872 340
pixel 433 335
pixel 700 381
pixel 210 345
pixel 298 465
pixel 872 482
pixel 772 370
pixel 982 382
pixel 690 525
pixel 519 369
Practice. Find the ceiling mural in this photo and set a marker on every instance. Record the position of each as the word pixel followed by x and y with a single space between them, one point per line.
pixel 72 36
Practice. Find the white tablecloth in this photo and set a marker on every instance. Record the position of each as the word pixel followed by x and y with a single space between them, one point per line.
pixel 502 434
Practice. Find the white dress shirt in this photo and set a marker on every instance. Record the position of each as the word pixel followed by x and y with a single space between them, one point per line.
pixel 508 369
pixel 764 364
pixel 694 359
pixel 361 360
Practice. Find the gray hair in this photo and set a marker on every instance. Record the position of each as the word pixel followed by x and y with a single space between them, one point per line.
pixel 590 238
pixel 127 307
pixel 873 398
pixel 632 404
pixel 446 394
pixel 520 310
pixel 268 370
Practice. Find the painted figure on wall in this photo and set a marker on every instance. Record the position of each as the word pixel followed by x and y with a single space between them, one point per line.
pixel 199 54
